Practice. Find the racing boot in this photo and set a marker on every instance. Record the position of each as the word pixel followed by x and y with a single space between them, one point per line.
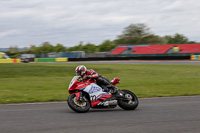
pixel 116 91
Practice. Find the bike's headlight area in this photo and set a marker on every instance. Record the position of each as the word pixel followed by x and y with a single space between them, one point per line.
pixel 72 81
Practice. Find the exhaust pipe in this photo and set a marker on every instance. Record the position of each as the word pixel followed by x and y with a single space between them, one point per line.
pixel 110 103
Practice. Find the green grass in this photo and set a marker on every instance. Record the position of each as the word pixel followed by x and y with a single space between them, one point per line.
pixel 36 82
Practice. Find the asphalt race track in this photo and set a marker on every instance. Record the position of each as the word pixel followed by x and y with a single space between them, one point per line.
pixel 154 115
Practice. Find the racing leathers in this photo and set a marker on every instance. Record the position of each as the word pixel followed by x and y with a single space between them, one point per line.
pixel 103 82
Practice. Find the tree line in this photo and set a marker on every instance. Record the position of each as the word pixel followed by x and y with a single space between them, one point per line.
pixel 134 34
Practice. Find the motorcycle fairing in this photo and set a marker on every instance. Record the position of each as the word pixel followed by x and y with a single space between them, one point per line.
pixel 96 94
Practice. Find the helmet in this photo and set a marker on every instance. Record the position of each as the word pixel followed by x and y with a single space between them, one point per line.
pixel 80 70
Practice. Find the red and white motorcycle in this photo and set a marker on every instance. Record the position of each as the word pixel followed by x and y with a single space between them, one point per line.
pixel 87 94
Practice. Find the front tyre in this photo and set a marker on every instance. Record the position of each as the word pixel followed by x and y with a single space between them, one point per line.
pixel 78 106
pixel 130 102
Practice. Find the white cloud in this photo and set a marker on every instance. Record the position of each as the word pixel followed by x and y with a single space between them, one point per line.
pixel 10 33
pixel 69 22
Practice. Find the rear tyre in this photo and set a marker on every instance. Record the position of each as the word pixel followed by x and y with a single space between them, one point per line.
pixel 130 102
pixel 78 106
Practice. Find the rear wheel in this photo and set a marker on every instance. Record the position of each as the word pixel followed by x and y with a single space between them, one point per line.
pixel 78 106
pixel 130 102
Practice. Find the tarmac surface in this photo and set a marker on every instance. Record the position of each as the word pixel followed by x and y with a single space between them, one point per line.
pixel 153 115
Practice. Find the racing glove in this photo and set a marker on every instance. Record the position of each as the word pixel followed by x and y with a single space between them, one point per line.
pixel 87 77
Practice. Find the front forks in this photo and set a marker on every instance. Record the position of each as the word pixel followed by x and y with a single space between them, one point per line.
pixel 79 96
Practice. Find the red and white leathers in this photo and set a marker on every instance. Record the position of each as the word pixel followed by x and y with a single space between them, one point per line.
pixel 90 74
pixel 100 80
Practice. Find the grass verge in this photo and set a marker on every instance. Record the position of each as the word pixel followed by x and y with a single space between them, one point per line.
pixel 39 82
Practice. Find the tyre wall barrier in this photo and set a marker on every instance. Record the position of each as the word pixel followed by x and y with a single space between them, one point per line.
pixel 10 61
pixel 132 58
pixel 61 59
pixel 51 59
pixel 195 57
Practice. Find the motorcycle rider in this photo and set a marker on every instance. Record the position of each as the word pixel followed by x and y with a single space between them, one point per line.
pixel 103 82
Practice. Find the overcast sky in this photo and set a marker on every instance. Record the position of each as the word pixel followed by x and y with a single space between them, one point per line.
pixel 25 22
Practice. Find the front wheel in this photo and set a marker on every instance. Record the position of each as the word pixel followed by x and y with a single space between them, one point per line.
pixel 78 106
pixel 130 102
